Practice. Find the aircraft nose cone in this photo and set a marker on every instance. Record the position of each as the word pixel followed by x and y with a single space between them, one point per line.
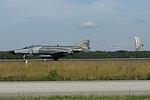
pixel 12 52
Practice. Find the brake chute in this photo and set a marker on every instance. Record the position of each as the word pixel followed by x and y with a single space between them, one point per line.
pixel 129 43
pixel 138 44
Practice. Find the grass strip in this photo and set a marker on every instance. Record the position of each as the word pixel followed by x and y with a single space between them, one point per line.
pixel 80 98
pixel 74 71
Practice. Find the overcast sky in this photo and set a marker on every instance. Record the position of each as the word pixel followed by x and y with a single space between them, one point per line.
pixel 65 22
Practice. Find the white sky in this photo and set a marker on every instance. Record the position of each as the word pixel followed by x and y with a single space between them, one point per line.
pixel 65 22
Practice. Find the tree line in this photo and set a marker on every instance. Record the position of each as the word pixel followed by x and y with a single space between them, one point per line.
pixel 89 55
pixel 113 54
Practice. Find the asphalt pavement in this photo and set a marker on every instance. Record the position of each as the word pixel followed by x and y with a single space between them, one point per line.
pixel 70 88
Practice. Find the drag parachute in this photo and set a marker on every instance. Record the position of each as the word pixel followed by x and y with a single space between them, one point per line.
pixel 138 43
pixel 129 43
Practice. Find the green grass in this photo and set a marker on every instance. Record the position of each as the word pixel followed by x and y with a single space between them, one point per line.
pixel 81 98
pixel 45 71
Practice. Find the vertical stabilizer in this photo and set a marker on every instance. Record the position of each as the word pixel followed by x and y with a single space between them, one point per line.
pixel 83 43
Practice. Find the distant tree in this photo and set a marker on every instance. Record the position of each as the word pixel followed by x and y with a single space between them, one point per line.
pixel 89 55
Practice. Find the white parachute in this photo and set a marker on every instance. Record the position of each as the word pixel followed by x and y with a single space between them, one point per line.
pixel 138 44
pixel 129 43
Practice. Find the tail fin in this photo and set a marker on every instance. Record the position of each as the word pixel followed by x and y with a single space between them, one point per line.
pixel 84 44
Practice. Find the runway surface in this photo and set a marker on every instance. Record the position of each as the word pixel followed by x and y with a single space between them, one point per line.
pixel 69 88
pixel 82 60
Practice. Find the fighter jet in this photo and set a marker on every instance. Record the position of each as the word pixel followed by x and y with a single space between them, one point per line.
pixel 54 52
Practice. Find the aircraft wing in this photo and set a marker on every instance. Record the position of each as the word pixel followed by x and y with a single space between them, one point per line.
pixel 55 53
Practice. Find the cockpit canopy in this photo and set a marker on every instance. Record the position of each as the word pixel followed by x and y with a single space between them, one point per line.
pixel 31 46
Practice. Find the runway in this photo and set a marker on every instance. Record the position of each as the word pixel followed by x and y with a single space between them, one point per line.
pixel 82 60
pixel 69 88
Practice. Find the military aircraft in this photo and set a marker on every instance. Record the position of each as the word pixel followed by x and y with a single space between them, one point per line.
pixel 54 52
